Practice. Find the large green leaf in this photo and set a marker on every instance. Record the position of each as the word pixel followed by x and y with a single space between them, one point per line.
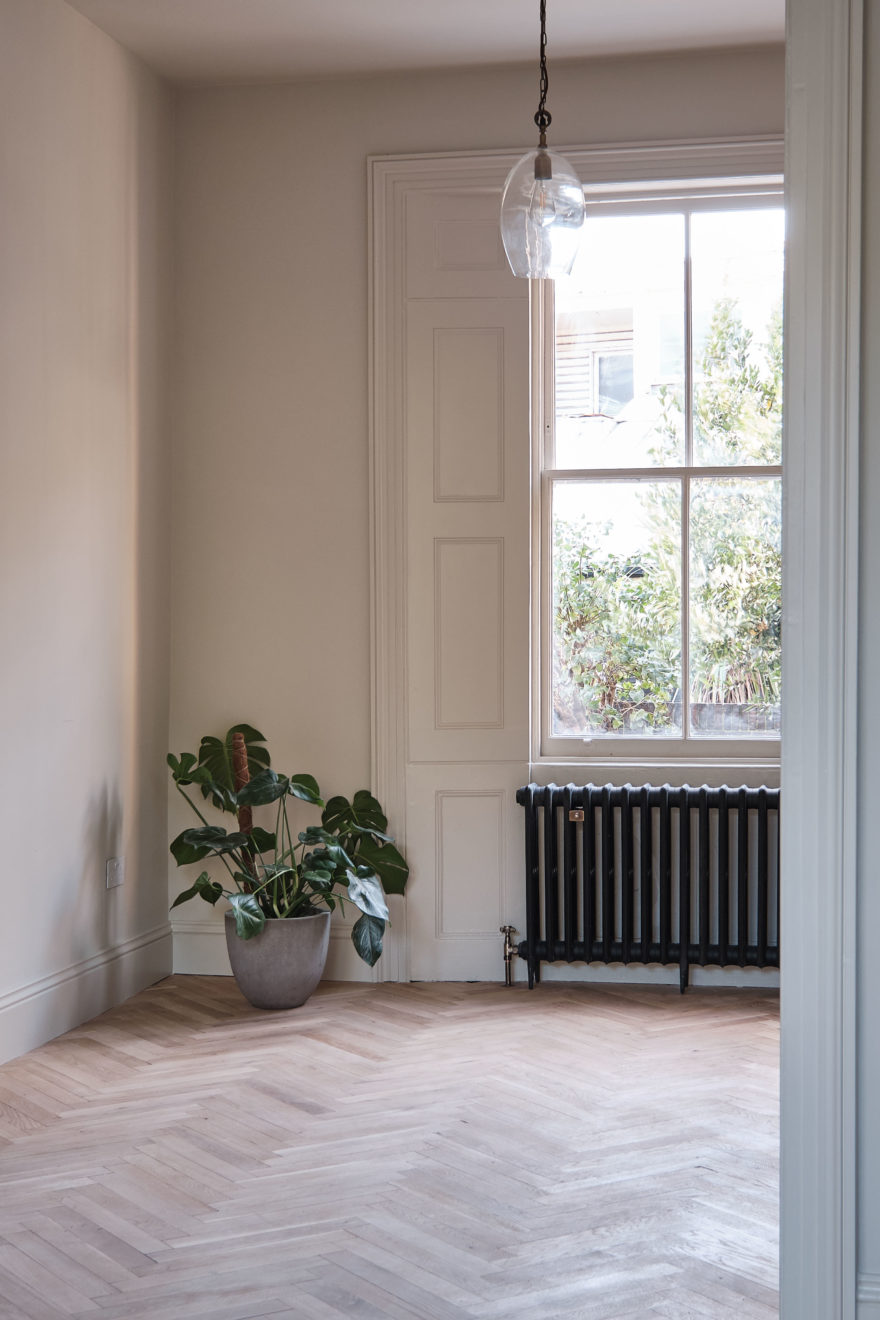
pixel 207 841
pixel 366 936
pixel 264 788
pixel 263 840
pixel 204 887
pixel 337 816
pixel 306 788
pixel 368 832
pixel 320 881
pixel 387 862
pixel 316 835
pixel 185 769
pixel 215 754
pixel 249 919
pixel 362 814
pixel 214 839
pixel 184 853
pixel 367 812
pixel 180 765
pixel 332 856
pixel 365 891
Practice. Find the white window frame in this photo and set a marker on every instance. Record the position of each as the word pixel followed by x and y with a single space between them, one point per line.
pixel 688 750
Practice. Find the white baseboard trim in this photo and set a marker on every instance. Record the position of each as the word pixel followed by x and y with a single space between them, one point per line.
pixel 200 950
pixel 868 1297
pixel 43 1009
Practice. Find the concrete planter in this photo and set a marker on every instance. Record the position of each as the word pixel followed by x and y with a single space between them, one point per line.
pixel 280 967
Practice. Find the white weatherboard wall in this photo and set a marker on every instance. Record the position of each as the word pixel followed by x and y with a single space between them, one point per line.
pixel 84 150
pixel 271 548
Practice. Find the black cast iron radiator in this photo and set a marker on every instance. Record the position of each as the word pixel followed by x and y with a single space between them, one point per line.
pixel 688 876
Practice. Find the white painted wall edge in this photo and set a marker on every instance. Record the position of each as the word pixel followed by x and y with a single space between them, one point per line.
pixel 35 1013
pixel 820 637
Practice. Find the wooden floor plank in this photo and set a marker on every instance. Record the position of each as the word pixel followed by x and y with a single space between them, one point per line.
pixel 412 1152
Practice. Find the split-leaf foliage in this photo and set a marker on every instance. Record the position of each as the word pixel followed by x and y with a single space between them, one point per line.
pixel 349 857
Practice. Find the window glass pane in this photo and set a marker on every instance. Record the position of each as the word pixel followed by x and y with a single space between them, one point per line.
pixel 616 641
pixel 620 345
pixel 736 271
pixel 615 382
pixel 736 606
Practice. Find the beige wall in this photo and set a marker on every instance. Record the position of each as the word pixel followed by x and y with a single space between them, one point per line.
pixel 271 609
pixel 270 481
pixel 84 180
pixel 270 478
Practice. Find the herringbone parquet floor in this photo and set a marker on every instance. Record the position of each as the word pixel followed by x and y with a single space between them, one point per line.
pixel 421 1152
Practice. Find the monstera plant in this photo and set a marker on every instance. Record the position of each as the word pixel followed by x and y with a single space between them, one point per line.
pixel 272 873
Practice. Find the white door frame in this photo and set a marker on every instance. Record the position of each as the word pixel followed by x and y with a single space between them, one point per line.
pixel 820 635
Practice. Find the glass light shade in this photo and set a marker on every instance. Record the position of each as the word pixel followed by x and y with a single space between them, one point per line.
pixel 542 213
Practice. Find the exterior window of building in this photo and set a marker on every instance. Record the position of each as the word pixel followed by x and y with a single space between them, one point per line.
pixel 660 542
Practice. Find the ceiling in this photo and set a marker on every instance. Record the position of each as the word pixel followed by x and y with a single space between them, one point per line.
pixel 202 41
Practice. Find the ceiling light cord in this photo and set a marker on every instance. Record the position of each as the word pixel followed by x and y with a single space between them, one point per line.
pixel 543 118
pixel 542 206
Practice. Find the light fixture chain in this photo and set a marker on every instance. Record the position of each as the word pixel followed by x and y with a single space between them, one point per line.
pixel 542 206
pixel 543 117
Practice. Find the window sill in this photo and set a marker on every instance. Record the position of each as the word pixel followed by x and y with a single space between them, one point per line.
pixel 714 771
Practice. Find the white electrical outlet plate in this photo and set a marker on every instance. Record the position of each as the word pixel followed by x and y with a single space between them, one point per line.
pixel 115 871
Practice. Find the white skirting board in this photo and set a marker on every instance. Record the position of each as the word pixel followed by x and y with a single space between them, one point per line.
pixel 200 950
pixel 868 1297
pixel 44 1009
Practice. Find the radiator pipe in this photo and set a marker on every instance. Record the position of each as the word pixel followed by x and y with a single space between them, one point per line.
pixel 511 951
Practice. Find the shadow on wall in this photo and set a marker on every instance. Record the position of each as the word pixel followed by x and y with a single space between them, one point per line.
pixel 91 919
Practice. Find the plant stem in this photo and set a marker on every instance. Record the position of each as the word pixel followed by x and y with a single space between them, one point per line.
pixel 193 805
pixel 208 824
pixel 229 869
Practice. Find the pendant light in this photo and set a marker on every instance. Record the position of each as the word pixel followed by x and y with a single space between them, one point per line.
pixel 542 207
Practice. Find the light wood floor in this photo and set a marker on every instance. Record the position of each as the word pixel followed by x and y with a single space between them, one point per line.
pixel 419 1152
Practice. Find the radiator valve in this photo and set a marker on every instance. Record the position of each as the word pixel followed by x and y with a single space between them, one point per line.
pixel 510 952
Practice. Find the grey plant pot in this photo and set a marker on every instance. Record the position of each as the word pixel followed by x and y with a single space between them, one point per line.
pixel 280 967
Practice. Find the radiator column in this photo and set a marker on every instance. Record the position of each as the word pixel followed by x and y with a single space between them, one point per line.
pixel 604 895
